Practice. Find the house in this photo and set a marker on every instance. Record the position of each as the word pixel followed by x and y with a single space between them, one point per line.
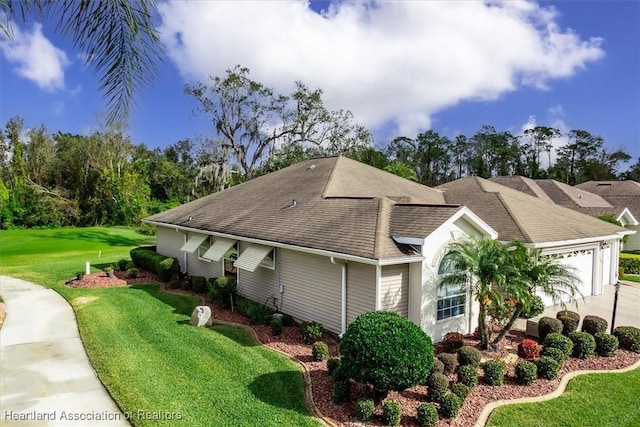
pixel 329 239
pixel 587 244
pixel 622 195
pixel 582 200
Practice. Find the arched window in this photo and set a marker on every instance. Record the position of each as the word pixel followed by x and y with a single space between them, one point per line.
pixel 452 297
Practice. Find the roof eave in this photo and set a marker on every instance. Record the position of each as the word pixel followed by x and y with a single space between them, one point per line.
pixel 574 242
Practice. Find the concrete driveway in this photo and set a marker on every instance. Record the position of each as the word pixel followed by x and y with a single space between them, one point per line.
pixel 46 378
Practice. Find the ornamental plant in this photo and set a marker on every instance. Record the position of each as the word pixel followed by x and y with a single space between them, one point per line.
pixel 606 344
pixel 437 385
pixel 460 390
pixel 584 345
pixel 559 341
pixel 332 364
pixel 427 415
pixel 391 413
pixel 468 355
pixel 548 325
pixel 450 405
pixel 365 409
pixel 548 368
pixel 529 349
pixel 494 371
pixel 438 367
pixel 311 332
pixel 629 337
pixel 452 341
pixel 594 325
pixel 320 351
pixel 450 362
pixel 526 372
pixel 468 375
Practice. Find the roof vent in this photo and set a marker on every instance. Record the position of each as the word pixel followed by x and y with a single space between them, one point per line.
pixel 293 203
pixel 312 167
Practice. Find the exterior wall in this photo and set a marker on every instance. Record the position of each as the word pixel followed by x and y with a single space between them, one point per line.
pixel 200 267
pixel 361 289
pixel 606 265
pixel 261 284
pixel 633 240
pixel 168 243
pixel 394 289
pixel 312 288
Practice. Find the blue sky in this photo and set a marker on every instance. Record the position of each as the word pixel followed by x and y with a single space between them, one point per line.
pixel 401 67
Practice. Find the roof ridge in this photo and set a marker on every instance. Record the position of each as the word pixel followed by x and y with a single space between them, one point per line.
pixel 383 225
pixel 513 216
pixel 332 175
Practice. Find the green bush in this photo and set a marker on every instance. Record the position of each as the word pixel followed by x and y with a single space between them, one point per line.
pixel 548 325
pixel 559 341
pixel 199 284
pixel 311 331
pixel 167 268
pixel 526 372
pixel 365 409
pixel 185 283
pixel 123 264
pixel 468 355
pixel 174 283
pixel 287 320
pixel 450 362
pixel 548 368
pixel 606 344
pixel 628 337
pixel 535 308
pixel 276 326
pixel 391 413
pixel 258 314
pixel 494 371
pixel 468 375
pixel 594 325
pixel 133 273
pixel 438 367
pixel 460 390
pixel 567 313
pixel 584 345
pixel 224 291
pixel 630 264
pixel 386 350
pixel 341 392
pixel 332 364
pixel 338 373
pixel 437 385
pixel 320 351
pixel 450 405
pixel 427 415
pixel 146 257
pixel 556 354
pixel 569 324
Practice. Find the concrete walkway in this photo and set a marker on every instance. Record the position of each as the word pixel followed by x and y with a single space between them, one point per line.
pixel 45 375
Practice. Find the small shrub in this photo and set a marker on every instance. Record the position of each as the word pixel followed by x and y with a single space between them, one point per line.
pixel 320 351
pixel 548 368
pixel 584 345
pixel 311 331
pixel 452 341
pixel 526 372
pixel 468 355
pixel 460 390
pixel 365 409
pixel 338 373
pixel 494 371
pixel 225 291
pixel 555 353
pixel 132 273
pixel 174 283
pixel 559 341
pixel 568 313
pixel 594 325
pixel 332 364
pixel 437 385
pixel 259 314
pixel 199 284
pixel 341 392
pixel 528 349
pixel 468 375
pixel 167 268
pixel 427 415
pixel 569 324
pixel 548 325
pixel 535 308
pixel 276 326
pixel 450 405
pixel 450 362
pixel 628 337
pixel 438 367
pixel 123 264
pixel 185 283
pixel 606 344
pixel 391 413
pixel 287 320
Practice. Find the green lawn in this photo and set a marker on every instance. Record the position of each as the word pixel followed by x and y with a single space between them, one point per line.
pixel 594 400
pixel 142 347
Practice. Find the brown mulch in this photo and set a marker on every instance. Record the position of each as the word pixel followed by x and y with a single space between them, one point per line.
pixel 290 342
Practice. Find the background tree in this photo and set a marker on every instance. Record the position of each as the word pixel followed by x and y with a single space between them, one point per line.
pixel 538 140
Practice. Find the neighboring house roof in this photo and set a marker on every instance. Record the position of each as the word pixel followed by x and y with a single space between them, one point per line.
pixel 621 194
pixel 517 215
pixel 333 203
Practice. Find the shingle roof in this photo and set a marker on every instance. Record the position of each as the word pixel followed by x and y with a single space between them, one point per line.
pixel 340 205
pixel 517 215
pixel 621 194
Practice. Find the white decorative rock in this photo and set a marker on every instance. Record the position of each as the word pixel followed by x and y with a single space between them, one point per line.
pixel 201 316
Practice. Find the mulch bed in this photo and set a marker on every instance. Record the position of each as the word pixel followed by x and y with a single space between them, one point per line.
pixel 290 342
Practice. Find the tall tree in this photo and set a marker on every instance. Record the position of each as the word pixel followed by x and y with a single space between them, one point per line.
pixel 538 140
pixel 581 148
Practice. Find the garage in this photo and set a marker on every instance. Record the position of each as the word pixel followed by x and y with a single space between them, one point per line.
pixel 582 262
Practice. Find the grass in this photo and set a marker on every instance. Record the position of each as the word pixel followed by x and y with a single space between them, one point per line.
pixel 142 347
pixel 632 278
pixel 593 400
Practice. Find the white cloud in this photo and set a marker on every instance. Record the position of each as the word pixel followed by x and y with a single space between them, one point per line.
pixel 385 61
pixel 555 119
pixel 36 58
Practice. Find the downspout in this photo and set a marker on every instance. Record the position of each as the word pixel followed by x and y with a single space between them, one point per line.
pixel 343 320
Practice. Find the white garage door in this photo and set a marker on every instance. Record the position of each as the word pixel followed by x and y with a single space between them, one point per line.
pixel 582 263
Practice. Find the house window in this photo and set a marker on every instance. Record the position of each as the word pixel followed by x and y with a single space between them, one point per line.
pixel 204 247
pixel 452 297
pixel 269 261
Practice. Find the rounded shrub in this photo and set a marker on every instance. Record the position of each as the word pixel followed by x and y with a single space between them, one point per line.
pixel 438 367
pixel 450 405
pixel 123 264
pixel 341 392
pixel 391 413
pixel 584 345
pixel 320 351
pixel 468 375
pixel 132 273
pixel 332 364
pixel 468 355
pixel 386 350
pixel 534 308
pixel 494 371
pixel 338 373
pixel 548 325
pixel 567 313
pixel 628 337
pixel 365 409
pixel 606 344
pixel 594 325
pixel 526 372
pixel 555 353
pixel 437 385
pixel 174 283
pixel 311 331
pixel 427 415
pixel 569 324
pixel 548 368
pixel 450 362
pixel 528 349
pixel 452 341
pixel 460 390
pixel 276 326
pixel 167 268
pixel 199 284
pixel 559 341
pixel 225 290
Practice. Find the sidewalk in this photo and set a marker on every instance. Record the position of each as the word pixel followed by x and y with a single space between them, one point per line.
pixel 45 375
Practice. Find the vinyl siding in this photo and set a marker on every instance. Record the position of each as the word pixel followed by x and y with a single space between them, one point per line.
pixel 361 289
pixel 394 289
pixel 259 284
pixel 312 288
pixel 169 242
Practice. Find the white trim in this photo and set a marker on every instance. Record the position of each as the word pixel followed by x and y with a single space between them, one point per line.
pixel 378 286
pixel 219 247
pixel 194 243
pixel 252 257
pixel 586 240
pixel 631 220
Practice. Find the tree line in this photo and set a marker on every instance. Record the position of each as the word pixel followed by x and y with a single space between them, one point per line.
pixel 60 179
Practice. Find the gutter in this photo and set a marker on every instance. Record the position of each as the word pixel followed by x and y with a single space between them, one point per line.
pixel 343 310
pixel 577 241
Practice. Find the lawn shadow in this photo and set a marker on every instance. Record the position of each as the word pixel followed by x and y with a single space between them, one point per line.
pixel 284 389
pixel 182 304
pixel 238 334
pixel 94 236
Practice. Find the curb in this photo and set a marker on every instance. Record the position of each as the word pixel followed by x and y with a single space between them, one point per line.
pixel 488 409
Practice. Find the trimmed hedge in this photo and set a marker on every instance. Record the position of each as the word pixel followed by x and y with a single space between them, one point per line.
pixel 526 372
pixel 460 390
pixel 438 367
pixel 628 337
pixel 555 353
pixel 630 263
pixel 147 258
pixel 437 385
pixel 365 408
pixel 391 413
pixel 311 331
pixel 450 405
pixel 559 341
pixel 548 368
pixel 468 375
pixel 452 341
pixel 568 313
pixel 548 325
pixel 494 371
pixel 427 415
pixel 606 344
pixel 320 351
pixel 468 355
pixel 332 364
pixel 569 324
pixel 450 362
pixel 584 345
pixel 594 325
